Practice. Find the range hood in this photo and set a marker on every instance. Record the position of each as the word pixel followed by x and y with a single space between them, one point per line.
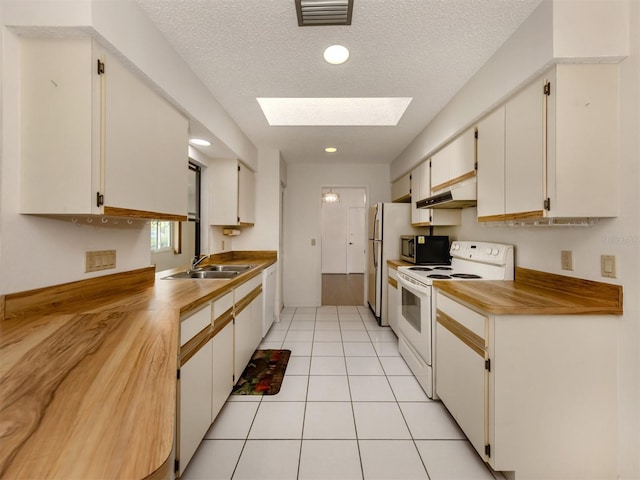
pixel 458 195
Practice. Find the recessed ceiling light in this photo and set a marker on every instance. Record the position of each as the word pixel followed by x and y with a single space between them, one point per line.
pixel 326 112
pixel 331 149
pixel 200 142
pixel 336 54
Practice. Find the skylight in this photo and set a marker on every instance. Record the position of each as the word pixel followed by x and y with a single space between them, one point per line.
pixel 385 111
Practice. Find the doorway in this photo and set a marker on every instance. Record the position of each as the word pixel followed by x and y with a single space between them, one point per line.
pixel 343 245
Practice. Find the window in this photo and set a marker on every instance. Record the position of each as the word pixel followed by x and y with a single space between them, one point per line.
pixel 161 236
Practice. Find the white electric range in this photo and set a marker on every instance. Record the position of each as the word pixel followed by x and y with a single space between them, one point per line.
pixel 470 261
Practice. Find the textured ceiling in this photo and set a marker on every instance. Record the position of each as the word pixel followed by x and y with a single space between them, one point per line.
pixel 425 49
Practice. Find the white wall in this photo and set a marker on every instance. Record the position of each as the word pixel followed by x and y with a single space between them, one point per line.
pixel 578 29
pixel 302 220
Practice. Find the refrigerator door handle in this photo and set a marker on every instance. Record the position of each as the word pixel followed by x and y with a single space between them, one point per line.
pixel 374 252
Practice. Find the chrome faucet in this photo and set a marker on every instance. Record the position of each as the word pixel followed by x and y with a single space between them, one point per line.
pixel 197 261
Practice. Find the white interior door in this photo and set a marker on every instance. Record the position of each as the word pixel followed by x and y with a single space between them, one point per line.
pixel 355 238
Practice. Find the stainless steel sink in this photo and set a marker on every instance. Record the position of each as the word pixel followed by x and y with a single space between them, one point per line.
pixel 204 274
pixel 223 268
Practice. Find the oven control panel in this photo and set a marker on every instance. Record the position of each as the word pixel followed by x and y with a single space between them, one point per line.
pixel 486 252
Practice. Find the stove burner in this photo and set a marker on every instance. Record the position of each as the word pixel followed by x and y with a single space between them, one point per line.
pixel 421 269
pixel 465 275
pixel 443 268
pixel 439 276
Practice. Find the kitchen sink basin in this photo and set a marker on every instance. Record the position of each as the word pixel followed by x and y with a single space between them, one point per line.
pixel 223 268
pixel 204 274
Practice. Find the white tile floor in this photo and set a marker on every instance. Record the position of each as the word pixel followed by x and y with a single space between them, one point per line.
pixel 349 408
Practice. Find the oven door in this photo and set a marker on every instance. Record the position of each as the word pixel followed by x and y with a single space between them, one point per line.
pixel 414 320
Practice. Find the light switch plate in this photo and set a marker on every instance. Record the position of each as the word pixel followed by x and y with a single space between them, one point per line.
pixel 566 259
pixel 97 260
pixel 608 266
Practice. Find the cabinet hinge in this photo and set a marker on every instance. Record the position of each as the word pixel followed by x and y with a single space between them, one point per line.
pixel 238 167
pixel 233 378
pixel 487 450
pixel 238 219
pixel 547 204
pixel 475 166
pixel 100 67
pixel 176 465
pixel 178 374
pixel 99 199
pixel 475 134
pixel 547 89
pixel 487 364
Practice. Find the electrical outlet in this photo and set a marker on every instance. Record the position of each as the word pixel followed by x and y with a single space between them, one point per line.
pixel 608 266
pixel 99 260
pixel 566 259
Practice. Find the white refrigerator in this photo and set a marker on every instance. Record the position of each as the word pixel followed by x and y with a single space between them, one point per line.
pixel 387 222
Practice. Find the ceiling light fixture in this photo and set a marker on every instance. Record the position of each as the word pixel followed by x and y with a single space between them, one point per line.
pixel 336 54
pixel 331 149
pixel 200 142
pixel 330 197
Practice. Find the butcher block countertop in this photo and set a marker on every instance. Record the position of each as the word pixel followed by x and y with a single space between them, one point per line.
pixel 88 372
pixel 537 293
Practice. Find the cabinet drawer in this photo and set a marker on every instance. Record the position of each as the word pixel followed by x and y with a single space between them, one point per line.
pixel 221 305
pixel 247 287
pixel 194 323
pixel 463 315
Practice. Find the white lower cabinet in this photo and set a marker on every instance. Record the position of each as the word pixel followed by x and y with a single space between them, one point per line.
pixel 248 322
pixel 195 380
pixel 222 372
pixel 535 394
pixel 392 299
pixel 195 402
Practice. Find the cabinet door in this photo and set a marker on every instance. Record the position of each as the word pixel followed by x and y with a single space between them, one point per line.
pixel 460 384
pixel 195 402
pixel 462 157
pixel 243 341
pixel 256 319
pixel 246 195
pixel 392 300
pixel 420 189
pixel 440 164
pixel 524 151
pixel 222 371
pixel 145 147
pixel 491 186
pixel 56 156
pixel 401 189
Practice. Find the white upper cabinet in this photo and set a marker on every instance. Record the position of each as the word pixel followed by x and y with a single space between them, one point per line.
pixel 95 139
pixel 232 194
pixel 524 151
pixel 401 189
pixel 491 168
pixel 420 189
pixel 454 163
pixel 551 151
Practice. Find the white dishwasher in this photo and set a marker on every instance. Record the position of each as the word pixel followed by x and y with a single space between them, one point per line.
pixel 269 313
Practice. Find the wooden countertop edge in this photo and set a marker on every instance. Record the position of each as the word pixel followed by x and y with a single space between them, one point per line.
pixel 398 263
pixel 90 298
pixel 538 293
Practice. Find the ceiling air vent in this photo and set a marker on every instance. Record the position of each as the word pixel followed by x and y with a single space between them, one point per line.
pixel 324 12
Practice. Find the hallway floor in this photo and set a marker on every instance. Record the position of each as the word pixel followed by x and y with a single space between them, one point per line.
pixel 349 408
